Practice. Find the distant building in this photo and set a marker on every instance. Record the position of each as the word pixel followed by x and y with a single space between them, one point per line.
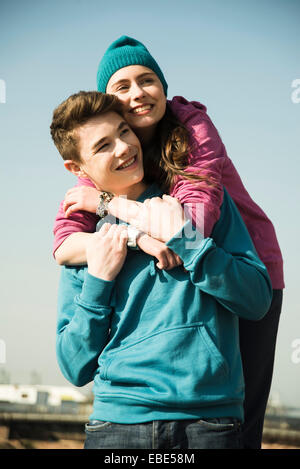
pixel 40 398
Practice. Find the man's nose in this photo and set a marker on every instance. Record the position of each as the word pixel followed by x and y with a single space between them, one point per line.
pixel 122 148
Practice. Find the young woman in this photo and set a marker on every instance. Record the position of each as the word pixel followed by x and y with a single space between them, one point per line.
pixel 184 153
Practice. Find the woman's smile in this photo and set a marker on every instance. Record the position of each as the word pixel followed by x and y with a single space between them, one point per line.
pixel 142 109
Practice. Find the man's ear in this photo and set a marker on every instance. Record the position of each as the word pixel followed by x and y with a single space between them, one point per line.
pixel 74 168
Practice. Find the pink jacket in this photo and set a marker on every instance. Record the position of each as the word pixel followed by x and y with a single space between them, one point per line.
pixel 208 154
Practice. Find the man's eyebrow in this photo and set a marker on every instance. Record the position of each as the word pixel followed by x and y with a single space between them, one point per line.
pixel 98 143
pixel 122 124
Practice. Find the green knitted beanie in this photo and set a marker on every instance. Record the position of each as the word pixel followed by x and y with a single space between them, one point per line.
pixel 121 53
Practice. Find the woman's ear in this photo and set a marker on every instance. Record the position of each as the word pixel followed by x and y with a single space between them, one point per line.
pixel 74 168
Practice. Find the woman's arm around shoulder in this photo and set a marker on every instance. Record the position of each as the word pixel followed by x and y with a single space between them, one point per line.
pixel 207 156
pixel 71 232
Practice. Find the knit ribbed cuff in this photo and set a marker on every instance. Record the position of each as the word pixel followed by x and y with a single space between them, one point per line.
pixel 187 243
pixel 95 291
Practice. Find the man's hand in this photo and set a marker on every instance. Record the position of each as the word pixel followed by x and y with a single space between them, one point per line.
pixel 167 259
pixel 106 251
pixel 81 198
pixel 159 218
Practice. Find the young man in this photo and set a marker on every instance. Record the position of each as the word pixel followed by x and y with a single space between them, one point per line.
pixel 161 346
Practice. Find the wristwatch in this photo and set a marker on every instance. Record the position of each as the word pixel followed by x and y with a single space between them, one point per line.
pixel 132 236
pixel 105 198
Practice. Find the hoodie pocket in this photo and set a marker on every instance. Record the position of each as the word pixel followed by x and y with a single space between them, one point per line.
pixel 179 366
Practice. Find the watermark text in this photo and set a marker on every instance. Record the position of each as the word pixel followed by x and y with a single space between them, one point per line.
pixel 295 356
pixel 2 352
pixel 295 96
pixel 2 91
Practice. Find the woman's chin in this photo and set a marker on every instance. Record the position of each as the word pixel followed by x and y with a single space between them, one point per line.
pixel 140 122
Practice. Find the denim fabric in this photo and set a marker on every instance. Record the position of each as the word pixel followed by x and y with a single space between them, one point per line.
pixel 223 433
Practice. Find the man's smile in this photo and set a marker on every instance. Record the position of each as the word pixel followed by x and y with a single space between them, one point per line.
pixel 128 163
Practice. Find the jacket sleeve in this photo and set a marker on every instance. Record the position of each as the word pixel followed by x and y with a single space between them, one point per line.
pixel 206 157
pixel 76 222
pixel 226 266
pixel 84 309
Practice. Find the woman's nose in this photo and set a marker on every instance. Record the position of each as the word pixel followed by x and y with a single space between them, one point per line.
pixel 137 91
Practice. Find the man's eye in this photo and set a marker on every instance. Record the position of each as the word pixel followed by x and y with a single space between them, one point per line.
pixel 103 147
pixel 125 131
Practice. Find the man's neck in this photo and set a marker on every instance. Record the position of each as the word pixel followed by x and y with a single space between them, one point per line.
pixel 135 191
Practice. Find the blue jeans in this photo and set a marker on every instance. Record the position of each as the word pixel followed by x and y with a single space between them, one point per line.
pixel 221 433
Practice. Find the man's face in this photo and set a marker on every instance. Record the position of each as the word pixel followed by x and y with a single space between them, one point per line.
pixel 111 154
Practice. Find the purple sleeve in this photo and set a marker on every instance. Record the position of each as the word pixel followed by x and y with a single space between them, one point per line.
pixel 206 157
pixel 78 221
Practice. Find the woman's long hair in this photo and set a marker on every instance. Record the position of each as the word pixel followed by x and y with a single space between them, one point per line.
pixel 166 157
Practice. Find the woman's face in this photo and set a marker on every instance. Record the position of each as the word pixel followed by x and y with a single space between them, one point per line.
pixel 143 97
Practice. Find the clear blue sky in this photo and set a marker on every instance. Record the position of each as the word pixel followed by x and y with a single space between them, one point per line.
pixel 237 57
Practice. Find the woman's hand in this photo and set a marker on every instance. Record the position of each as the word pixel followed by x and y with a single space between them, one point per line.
pixel 160 218
pixel 81 198
pixel 167 259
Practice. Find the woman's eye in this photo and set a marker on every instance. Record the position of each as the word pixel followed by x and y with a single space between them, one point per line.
pixel 125 131
pixel 148 80
pixel 122 88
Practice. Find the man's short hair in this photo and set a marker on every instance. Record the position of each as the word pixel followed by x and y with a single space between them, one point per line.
pixel 74 112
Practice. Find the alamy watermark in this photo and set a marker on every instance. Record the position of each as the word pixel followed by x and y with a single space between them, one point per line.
pixel 2 352
pixel 295 356
pixel 295 96
pixel 189 224
pixel 2 91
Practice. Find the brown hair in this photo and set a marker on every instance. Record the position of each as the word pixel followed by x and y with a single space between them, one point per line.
pixel 74 112
pixel 166 157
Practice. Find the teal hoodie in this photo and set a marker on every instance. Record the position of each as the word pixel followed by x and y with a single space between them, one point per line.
pixel 164 345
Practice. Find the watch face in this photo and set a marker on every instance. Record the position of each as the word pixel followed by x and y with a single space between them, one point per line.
pixel 133 234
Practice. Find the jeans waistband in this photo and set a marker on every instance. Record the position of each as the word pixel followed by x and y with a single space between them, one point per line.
pixel 220 420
